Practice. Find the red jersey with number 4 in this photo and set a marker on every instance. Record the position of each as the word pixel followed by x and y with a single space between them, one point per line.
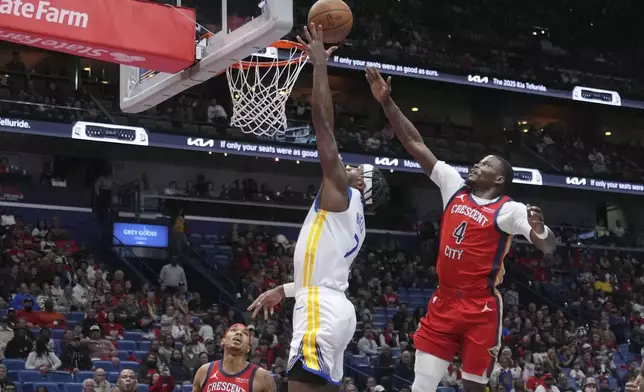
pixel 472 246
pixel 220 381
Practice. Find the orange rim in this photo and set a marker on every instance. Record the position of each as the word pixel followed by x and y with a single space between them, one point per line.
pixel 281 44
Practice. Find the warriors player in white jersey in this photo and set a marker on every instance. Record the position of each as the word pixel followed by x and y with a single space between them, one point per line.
pixel 324 320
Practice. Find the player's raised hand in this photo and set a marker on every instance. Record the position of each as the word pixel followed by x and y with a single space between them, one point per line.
pixel 314 44
pixel 266 302
pixel 380 89
pixel 536 220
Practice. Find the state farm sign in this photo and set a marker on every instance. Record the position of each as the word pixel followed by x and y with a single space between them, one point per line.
pixel 132 35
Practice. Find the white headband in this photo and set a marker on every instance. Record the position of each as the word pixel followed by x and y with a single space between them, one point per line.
pixel 367 173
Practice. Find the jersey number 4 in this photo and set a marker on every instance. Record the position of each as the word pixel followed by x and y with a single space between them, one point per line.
pixel 459 233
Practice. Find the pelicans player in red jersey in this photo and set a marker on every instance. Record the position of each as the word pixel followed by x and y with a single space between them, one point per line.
pixel 233 373
pixel 477 226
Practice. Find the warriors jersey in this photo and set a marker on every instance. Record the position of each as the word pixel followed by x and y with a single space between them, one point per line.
pixel 327 245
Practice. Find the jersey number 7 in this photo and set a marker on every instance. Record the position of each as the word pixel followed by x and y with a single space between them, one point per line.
pixel 459 232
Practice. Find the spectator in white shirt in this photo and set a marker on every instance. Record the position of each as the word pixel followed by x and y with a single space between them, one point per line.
pixel 172 275
pixel 619 230
pixel 511 296
pixel 81 292
pixel 576 373
pixel 42 358
pixel 180 329
pixel 216 112
pixel 367 344
pixel 56 290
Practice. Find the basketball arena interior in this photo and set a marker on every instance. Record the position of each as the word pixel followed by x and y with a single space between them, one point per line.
pixel 146 195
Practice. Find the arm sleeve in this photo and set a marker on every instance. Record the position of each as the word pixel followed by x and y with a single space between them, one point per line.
pixel 55 361
pixel 513 219
pixel 30 364
pixel 447 179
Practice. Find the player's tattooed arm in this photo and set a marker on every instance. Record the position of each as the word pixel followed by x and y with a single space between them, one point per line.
pixel 403 128
pixel 265 380
pixel 334 193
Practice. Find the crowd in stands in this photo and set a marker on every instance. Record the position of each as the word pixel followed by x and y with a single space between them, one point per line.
pixel 69 317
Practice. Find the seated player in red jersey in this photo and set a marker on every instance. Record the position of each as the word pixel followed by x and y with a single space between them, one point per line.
pixel 233 373
pixel 477 226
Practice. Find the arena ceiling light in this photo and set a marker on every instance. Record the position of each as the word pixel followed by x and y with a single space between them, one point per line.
pixel 608 133
pixel 414 109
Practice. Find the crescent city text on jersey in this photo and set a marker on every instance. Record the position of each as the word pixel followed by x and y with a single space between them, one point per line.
pixel 470 212
pixel 223 386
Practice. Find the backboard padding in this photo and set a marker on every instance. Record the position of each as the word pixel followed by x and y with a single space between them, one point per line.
pixel 222 49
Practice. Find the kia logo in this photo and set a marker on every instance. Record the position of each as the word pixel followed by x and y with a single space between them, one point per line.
pixel 575 181
pixel 477 79
pixel 386 161
pixel 199 142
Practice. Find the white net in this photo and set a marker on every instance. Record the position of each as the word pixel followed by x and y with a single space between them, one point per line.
pixel 260 88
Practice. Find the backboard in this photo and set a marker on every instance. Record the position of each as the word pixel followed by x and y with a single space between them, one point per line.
pixel 235 38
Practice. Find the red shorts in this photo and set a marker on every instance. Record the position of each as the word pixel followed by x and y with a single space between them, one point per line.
pixel 468 322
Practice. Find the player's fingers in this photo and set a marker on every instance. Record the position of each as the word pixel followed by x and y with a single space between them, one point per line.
pixel 369 79
pixel 300 40
pixel 313 31
pixel 319 33
pixel 254 304
pixel 307 34
pixel 389 82
pixel 265 312
pixel 330 51
pixel 255 312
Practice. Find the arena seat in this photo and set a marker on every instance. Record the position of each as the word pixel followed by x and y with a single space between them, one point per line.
pixel 126 345
pixel 134 336
pixel 84 375
pixel 108 366
pixel 130 365
pixel 59 377
pixel 30 376
pixel 73 387
pixel 14 364
pixel 50 386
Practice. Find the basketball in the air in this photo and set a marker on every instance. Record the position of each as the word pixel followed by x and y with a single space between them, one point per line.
pixel 335 17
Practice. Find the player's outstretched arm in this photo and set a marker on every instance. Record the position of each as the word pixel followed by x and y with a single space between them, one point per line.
pixel 200 378
pixel 264 381
pixel 334 195
pixel 403 128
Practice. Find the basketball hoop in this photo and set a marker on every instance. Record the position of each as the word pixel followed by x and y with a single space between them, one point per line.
pixel 260 87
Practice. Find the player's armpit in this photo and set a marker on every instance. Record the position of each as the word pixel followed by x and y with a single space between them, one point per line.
pixel 264 381
pixel 200 377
